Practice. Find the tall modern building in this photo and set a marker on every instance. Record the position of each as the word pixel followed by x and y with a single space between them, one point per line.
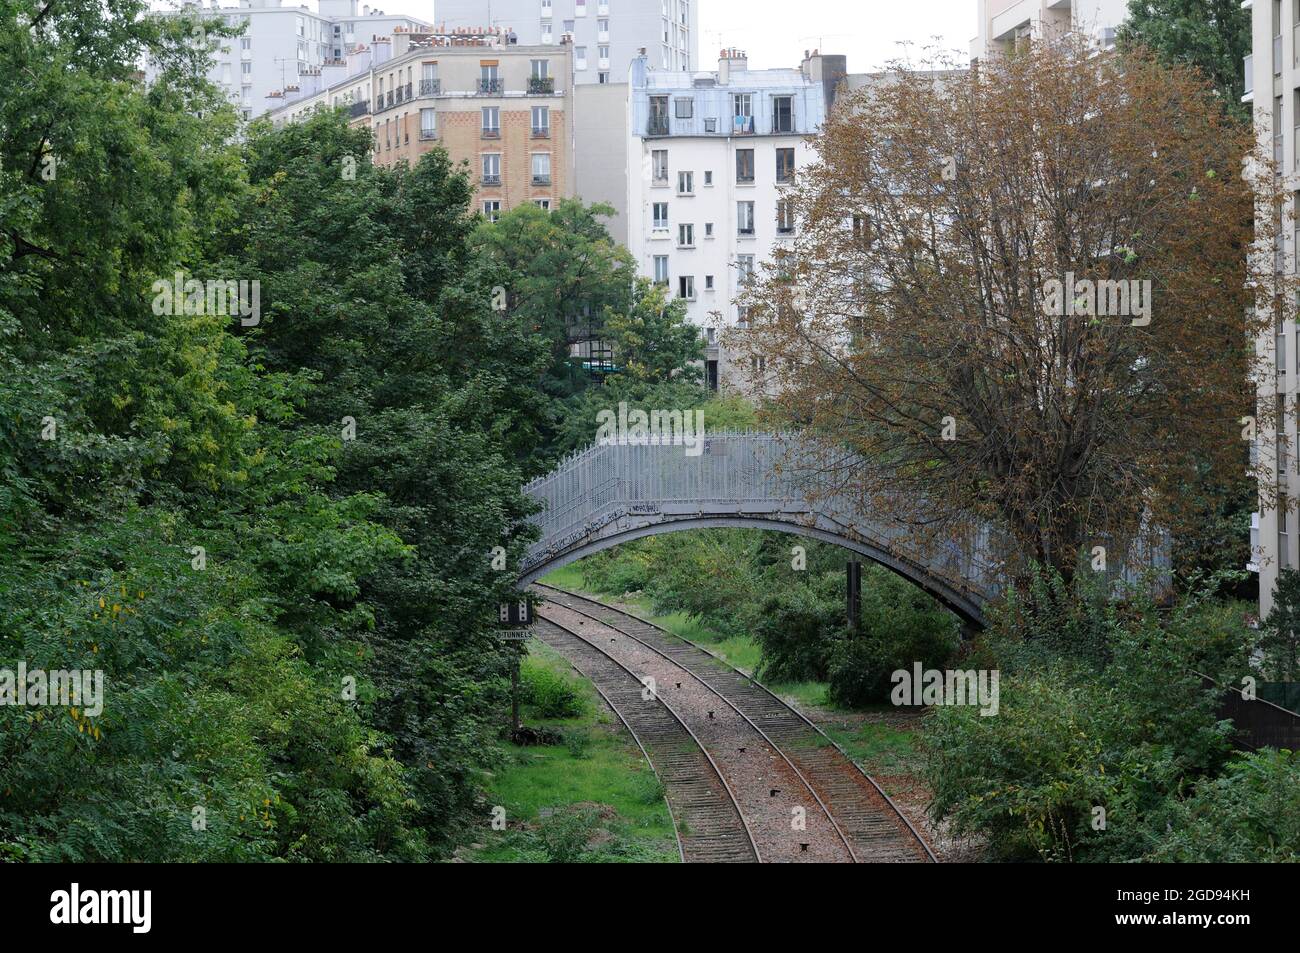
pixel 504 109
pixel 607 34
pixel 1272 74
pixel 1004 23
pixel 285 46
pixel 711 157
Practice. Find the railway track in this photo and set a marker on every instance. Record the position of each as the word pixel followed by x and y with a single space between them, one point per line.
pixel 708 822
pixel 871 826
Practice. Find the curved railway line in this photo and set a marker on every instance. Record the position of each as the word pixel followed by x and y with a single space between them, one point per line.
pixel 773 758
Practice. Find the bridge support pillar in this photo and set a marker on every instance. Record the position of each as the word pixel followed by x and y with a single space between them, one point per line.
pixel 853 600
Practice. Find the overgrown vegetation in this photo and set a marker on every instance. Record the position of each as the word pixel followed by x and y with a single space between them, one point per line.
pixel 1106 746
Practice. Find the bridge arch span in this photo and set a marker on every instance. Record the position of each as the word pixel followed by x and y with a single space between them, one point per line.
pixel 966 605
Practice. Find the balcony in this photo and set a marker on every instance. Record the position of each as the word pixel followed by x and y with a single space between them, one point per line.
pixel 426 134
pixel 359 109
pixel 430 87
pixel 742 125
pixel 657 126
pixel 541 132
pixel 491 180
pixel 493 133
pixel 489 87
pixel 541 85
pixel 542 179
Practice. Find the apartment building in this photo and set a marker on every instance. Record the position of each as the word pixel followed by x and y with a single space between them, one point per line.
pixel 1001 24
pixel 1272 82
pixel 284 46
pixel 504 109
pixel 606 34
pixel 711 157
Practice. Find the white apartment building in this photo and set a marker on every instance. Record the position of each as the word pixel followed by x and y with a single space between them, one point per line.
pixel 1272 75
pixel 1003 23
pixel 710 158
pixel 607 34
pixel 286 46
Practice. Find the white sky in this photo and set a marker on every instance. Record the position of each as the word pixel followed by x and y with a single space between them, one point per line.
pixel 776 32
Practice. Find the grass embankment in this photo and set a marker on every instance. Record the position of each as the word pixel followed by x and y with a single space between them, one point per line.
pixel 591 799
pixel 883 739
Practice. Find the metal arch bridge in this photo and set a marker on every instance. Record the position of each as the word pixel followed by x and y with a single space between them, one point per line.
pixel 614 492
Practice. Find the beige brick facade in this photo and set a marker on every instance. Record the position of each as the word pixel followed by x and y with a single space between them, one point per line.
pixel 528 88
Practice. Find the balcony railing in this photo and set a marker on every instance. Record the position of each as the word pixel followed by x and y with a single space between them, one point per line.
pixel 657 126
pixel 542 179
pixel 492 180
pixel 430 87
pixel 541 85
pixel 359 108
pixel 541 132
pixel 428 133
pixel 742 125
pixel 494 133
pixel 489 86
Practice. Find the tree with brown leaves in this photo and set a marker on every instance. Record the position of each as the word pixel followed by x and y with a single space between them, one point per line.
pixel 1023 295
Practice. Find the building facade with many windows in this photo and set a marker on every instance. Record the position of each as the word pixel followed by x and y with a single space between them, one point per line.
pixel 1272 74
pixel 711 161
pixel 504 109
pixel 606 34
pixel 286 46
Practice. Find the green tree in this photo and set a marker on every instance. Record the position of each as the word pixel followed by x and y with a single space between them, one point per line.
pixel 1211 35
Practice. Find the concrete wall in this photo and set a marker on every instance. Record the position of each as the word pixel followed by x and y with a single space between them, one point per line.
pixel 600 150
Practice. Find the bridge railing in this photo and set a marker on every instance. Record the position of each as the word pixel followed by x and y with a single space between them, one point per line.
pixel 786 476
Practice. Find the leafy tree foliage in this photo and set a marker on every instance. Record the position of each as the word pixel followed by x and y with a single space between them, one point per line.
pixel 1210 35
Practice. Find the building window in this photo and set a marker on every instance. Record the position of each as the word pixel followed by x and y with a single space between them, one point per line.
pixel 661 215
pixel 246 68
pixel 782 114
pixel 659 164
pixel 491 168
pixel 708 282
pixel 661 269
pixel 744 166
pixel 686 236
pixel 541 168
pixel 685 183
pixel 785 165
pixel 686 287
pixel 744 269
pixel 603 52
pixel 245 42
pixel 785 217
pixel 543 204
pixel 603 76
pixel 708 177
pixel 491 122
pixel 541 69
pixel 745 218
pixel 685 107
pixel 579 57
pixel 489 80
pixel 708 229
pixel 658 125
pixel 580 8
pixel 428 124
pixel 492 209
pixel 541 121
pixel 742 112
pixel 546 31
